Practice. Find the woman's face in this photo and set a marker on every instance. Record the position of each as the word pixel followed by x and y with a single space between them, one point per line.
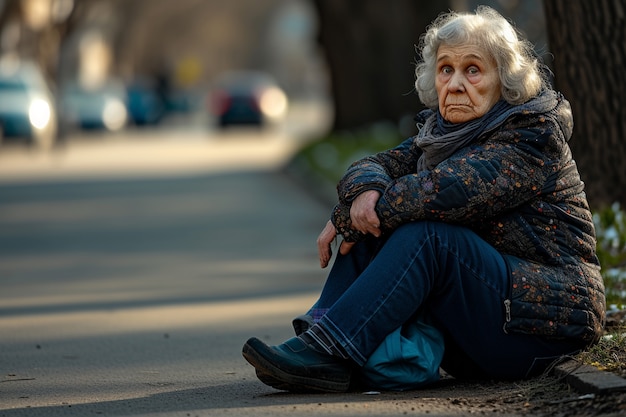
pixel 467 82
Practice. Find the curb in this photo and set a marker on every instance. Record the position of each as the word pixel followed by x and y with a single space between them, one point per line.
pixel 588 379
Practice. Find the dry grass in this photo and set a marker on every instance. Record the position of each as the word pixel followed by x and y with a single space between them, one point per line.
pixel 610 353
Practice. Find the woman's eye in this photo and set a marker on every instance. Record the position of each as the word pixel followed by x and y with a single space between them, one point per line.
pixel 473 70
pixel 446 70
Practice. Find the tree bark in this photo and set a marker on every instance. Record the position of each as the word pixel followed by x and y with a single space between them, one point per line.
pixel 370 51
pixel 588 41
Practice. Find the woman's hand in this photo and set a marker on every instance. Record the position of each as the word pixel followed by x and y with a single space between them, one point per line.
pixel 363 218
pixel 363 214
pixel 324 240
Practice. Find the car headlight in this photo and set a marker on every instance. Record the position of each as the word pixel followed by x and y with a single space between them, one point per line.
pixel 114 114
pixel 39 113
pixel 273 102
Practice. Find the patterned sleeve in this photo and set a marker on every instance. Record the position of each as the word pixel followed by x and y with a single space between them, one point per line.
pixel 479 182
pixel 378 171
pixel 375 172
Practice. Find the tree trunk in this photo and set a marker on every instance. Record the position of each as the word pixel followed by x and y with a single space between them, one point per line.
pixel 370 51
pixel 588 40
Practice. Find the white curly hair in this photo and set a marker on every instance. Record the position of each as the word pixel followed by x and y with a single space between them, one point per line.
pixel 518 66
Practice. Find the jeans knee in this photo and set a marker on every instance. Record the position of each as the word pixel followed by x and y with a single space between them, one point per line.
pixel 430 228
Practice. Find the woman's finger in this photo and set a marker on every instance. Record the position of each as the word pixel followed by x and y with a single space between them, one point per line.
pixel 324 241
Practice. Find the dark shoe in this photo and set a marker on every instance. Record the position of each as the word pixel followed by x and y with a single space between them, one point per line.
pixel 273 382
pixel 295 366
pixel 302 323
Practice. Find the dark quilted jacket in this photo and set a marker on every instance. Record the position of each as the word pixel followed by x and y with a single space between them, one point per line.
pixel 519 189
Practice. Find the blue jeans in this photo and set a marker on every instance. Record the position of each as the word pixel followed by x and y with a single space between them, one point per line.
pixel 452 276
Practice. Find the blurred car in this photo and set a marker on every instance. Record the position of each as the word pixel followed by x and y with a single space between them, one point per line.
pixel 146 105
pixel 98 107
pixel 27 106
pixel 247 97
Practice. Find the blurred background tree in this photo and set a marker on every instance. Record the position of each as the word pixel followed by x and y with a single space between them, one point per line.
pixel 368 45
pixel 35 29
pixel 588 40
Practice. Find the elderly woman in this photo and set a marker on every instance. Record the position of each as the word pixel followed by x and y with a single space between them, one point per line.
pixel 479 223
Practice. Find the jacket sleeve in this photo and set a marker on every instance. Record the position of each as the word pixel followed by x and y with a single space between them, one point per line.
pixel 375 172
pixel 477 183
pixel 378 171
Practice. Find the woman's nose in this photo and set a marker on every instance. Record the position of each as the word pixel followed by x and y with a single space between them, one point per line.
pixel 456 83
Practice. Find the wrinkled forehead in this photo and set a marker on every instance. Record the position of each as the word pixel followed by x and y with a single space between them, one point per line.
pixel 466 51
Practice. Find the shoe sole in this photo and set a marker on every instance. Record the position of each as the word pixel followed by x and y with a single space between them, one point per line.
pixel 275 383
pixel 275 377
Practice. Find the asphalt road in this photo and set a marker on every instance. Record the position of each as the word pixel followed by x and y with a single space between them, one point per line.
pixel 133 268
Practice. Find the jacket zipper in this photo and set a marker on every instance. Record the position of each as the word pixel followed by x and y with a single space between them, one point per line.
pixel 507 308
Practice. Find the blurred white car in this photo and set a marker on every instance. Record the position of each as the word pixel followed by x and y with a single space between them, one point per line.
pixel 27 106
pixel 99 107
pixel 247 97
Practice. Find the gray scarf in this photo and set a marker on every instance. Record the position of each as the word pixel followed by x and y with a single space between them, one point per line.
pixel 439 139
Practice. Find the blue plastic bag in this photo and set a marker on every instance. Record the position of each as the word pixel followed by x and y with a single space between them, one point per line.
pixel 408 358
